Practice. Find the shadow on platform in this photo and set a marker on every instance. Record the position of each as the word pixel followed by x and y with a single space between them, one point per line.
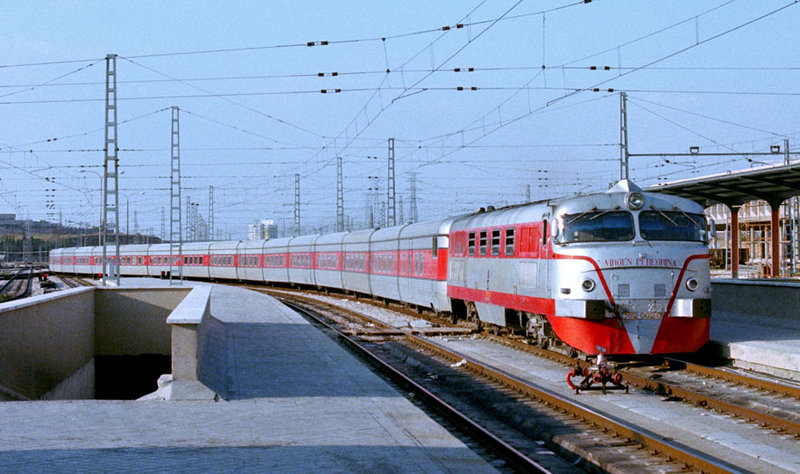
pixel 265 360
pixel 322 458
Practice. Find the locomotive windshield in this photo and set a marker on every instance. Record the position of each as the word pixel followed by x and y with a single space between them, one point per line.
pixel 672 225
pixel 602 226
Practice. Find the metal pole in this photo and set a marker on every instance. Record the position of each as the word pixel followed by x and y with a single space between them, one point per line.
pixel 339 196
pixel 391 219
pixel 211 212
pixel 296 204
pixel 111 180
pixel 623 136
pixel 175 226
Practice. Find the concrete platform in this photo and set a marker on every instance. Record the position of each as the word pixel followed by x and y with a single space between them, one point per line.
pixel 290 399
pixel 756 323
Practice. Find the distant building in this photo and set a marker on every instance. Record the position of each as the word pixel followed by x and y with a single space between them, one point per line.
pixel 10 225
pixel 264 229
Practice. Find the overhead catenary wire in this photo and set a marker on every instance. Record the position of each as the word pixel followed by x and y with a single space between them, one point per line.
pixel 401 95
pixel 418 159
pixel 227 99
pixel 697 43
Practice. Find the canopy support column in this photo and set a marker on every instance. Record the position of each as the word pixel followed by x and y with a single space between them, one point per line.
pixel 734 229
pixel 775 241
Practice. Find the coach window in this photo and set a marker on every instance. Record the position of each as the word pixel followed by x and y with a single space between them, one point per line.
pixel 483 239
pixel 509 241
pixel 471 243
pixel 496 242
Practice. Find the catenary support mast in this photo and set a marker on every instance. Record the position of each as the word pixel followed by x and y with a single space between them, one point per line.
pixel 175 226
pixel 339 196
pixel 391 218
pixel 111 176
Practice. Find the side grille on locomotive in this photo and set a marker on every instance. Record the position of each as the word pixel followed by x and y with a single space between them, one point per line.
pixel 623 290
pixel 660 290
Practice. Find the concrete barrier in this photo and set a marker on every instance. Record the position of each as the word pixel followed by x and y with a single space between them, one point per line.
pixel 44 341
pixel 185 322
pixel 48 343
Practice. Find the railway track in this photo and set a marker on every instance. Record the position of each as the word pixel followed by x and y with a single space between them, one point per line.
pixel 575 430
pixel 515 458
pixel 769 404
pixel 18 286
pixel 73 281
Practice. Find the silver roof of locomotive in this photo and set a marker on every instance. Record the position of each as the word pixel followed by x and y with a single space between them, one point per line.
pixel 612 199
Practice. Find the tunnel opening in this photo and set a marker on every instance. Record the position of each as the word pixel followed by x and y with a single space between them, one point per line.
pixel 129 377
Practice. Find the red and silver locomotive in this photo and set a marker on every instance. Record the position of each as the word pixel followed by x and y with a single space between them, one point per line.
pixel 619 272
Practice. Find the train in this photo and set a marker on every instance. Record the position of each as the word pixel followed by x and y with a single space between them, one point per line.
pixel 620 272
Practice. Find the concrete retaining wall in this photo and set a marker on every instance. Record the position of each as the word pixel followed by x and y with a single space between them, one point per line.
pixel 48 343
pixel 132 321
pixel 44 340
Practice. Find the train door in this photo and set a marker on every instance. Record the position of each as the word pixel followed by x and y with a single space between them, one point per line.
pixel 545 257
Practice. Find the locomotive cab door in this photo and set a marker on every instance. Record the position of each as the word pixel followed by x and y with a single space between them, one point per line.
pixel 545 255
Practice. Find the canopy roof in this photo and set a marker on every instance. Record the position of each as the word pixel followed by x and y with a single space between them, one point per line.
pixel 774 184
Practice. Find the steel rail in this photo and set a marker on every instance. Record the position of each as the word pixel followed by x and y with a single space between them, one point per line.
pixel 28 284
pixel 658 386
pixel 740 379
pixel 70 281
pixel 763 419
pixel 516 458
pixel 666 388
pixel 649 440
pixel 7 286
pixel 23 290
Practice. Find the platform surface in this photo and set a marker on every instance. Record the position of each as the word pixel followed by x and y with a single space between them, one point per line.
pixel 295 401
pixel 764 344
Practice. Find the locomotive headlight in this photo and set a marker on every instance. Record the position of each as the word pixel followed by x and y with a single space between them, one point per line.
pixel 634 201
pixel 587 285
pixel 692 284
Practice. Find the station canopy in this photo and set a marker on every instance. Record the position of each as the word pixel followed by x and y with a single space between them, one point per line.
pixel 773 183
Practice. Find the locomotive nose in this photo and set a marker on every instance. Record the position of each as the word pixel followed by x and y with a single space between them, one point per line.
pixel 665 292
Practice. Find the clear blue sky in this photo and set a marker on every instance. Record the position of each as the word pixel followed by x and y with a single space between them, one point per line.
pixel 712 74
